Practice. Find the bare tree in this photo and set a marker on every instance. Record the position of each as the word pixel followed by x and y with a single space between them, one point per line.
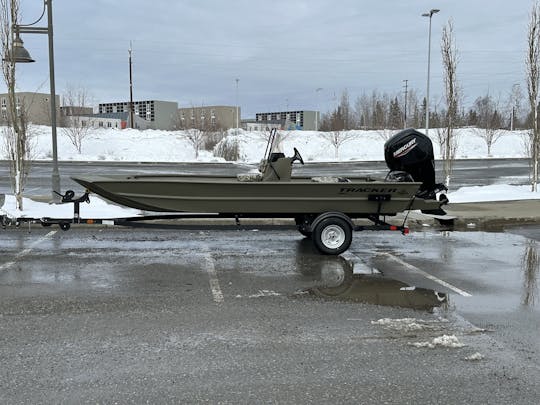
pixel 514 106
pixel 451 95
pixel 489 120
pixel 337 139
pixel 532 64
pixel 196 138
pixel 16 135
pixel 76 101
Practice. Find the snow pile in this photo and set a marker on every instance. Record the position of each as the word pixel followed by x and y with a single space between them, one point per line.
pixel 97 208
pixel 498 192
pixel 450 341
pixel 475 357
pixel 407 324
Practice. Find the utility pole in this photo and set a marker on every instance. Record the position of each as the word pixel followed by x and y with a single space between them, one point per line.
pixel 131 124
pixel 405 109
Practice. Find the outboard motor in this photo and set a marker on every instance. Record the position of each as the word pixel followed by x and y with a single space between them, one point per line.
pixel 412 152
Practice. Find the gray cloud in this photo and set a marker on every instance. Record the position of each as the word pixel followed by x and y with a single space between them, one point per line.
pixel 282 51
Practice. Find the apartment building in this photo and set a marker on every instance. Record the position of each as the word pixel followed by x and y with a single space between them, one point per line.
pixel 208 117
pixel 156 114
pixel 299 120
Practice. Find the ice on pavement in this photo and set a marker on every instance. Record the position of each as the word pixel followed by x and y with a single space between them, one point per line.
pixel 450 341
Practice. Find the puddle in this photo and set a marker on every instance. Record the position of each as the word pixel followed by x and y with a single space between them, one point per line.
pixel 338 282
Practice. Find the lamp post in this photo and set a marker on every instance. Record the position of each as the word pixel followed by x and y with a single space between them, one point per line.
pixel 237 106
pixel 428 14
pixel 317 118
pixel 21 55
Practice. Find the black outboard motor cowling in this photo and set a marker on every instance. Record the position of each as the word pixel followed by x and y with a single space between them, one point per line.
pixel 412 152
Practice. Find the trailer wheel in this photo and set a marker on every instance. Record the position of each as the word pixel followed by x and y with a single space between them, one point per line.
pixel 332 236
pixel 64 226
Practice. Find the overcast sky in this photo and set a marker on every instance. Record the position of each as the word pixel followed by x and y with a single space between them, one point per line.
pixel 282 51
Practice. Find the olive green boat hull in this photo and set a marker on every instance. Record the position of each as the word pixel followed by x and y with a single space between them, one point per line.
pixel 359 197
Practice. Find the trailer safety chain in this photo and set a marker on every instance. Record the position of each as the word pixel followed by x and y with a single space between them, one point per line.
pixel 68 197
pixel 408 211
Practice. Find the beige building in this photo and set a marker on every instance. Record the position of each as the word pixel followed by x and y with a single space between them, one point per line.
pixel 153 114
pixel 37 107
pixel 213 117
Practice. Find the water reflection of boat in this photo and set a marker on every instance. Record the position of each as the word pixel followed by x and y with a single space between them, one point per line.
pixel 322 207
pixel 339 283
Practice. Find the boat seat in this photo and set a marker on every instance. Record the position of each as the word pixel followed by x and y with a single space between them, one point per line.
pixel 330 179
pixel 249 177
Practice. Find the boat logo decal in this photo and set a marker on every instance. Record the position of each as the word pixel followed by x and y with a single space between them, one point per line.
pixel 406 148
pixel 347 190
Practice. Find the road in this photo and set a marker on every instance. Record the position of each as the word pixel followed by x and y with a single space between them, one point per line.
pixel 466 172
pixel 255 315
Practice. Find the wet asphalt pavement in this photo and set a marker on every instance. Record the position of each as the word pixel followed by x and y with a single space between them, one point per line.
pixel 144 315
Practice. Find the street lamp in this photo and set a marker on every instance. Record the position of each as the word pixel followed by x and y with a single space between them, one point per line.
pixel 21 55
pixel 237 106
pixel 317 118
pixel 429 14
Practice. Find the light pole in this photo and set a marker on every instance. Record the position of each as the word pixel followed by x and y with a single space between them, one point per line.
pixel 514 98
pixel 237 106
pixel 429 14
pixel 25 58
pixel 317 91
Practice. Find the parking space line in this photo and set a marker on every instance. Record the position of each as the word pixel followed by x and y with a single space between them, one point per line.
pixel 426 275
pixel 26 251
pixel 214 281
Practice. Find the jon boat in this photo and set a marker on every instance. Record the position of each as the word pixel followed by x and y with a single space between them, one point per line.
pixel 323 207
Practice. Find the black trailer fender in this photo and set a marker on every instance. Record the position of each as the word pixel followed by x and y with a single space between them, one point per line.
pixel 331 214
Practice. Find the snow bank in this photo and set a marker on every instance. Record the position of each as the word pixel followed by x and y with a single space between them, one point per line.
pixel 97 209
pixel 172 146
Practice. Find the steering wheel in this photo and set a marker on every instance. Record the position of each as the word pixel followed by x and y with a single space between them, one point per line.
pixel 297 156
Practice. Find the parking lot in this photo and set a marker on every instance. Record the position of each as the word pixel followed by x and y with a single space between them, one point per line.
pixel 113 314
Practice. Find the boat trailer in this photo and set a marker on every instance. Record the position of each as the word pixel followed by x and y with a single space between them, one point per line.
pixel 331 232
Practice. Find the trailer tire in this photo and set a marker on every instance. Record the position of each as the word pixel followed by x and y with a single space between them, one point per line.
pixel 332 235
pixel 64 226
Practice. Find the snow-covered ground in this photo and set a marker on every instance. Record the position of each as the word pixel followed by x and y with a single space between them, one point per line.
pixel 172 146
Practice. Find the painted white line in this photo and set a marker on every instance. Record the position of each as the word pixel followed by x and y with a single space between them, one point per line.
pixel 26 251
pixel 426 275
pixel 212 274
pixel 359 264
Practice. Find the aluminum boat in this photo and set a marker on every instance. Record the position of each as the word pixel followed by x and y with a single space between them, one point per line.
pixel 274 192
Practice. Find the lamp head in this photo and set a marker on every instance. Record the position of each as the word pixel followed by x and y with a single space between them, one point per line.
pixel 431 12
pixel 18 54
